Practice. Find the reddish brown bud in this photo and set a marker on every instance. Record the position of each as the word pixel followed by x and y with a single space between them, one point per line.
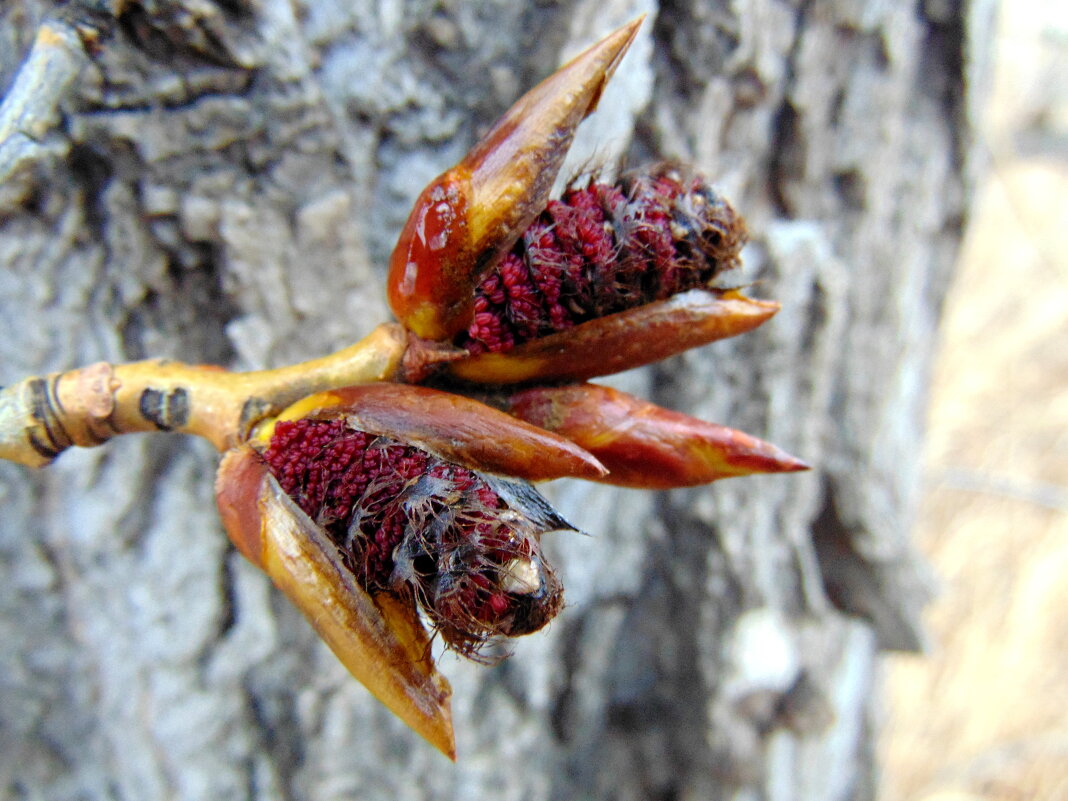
pixel 363 502
pixel 464 545
pixel 618 342
pixel 644 445
pixel 452 427
pixel 470 215
pixel 603 249
pixel 608 278
pixel 379 639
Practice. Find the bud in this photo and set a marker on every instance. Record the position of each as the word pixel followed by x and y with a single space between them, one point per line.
pixel 603 249
pixel 644 445
pixel 568 289
pixel 365 502
pixel 378 638
pixel 464 545
pixel 608 278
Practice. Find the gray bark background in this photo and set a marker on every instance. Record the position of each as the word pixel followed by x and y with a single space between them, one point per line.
pixel 225 184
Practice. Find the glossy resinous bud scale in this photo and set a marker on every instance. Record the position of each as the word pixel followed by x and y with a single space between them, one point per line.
pixel 472 214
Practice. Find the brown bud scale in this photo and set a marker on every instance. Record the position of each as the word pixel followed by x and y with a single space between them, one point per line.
pixel 603 249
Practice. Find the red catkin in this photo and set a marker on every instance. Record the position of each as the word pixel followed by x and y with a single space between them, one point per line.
pixel 602 249
pixel 407 521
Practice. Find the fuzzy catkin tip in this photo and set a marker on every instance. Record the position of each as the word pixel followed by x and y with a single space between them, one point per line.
pixel 602 249
pixel 408 522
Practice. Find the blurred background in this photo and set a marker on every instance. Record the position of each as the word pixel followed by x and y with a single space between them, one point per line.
pixel 985 714
pixel 226 187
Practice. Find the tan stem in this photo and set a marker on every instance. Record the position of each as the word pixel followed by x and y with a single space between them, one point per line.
pixel 42 416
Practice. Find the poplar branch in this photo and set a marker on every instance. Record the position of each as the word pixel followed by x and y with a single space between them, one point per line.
pixel 42 416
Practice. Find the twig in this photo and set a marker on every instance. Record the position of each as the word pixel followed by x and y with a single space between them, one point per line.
pixel 42 416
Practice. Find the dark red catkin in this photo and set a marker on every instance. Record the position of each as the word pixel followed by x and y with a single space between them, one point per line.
pixel 602 249
pixel 466 545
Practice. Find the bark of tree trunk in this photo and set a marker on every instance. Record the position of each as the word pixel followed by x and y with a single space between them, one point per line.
pixel 224 185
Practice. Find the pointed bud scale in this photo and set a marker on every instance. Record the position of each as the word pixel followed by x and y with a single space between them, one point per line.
pixel 452 427
pixel 644 445
pixel 470 215
pixel 621 341
pixel 379 639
